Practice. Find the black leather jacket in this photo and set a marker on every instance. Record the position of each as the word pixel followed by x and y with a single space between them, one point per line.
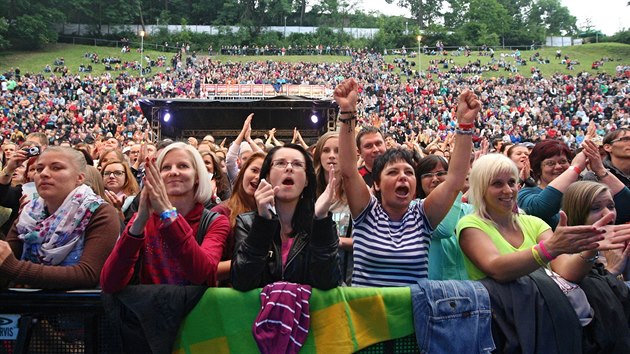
pixel 257 261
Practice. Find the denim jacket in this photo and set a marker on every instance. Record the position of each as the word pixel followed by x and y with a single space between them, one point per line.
pixel 452 316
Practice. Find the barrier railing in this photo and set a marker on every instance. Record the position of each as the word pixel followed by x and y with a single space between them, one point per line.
pixel 53 322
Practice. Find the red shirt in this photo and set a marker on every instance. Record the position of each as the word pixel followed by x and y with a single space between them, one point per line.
pixel 168 254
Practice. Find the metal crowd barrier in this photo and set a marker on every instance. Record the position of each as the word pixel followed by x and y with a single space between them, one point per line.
pixel 51 322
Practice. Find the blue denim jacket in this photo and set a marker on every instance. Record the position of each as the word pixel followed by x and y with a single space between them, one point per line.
pixel 452 316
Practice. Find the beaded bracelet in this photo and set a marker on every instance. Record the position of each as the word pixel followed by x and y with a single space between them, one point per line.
pixel 353 116
pixel 464 131
pixel 168 214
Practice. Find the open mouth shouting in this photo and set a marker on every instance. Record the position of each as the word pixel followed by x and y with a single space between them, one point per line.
pixel 402 191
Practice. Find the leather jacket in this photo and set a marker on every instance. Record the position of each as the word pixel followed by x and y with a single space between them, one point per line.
pixel 257 261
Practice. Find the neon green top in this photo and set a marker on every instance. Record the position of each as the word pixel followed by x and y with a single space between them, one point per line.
pixel 531 226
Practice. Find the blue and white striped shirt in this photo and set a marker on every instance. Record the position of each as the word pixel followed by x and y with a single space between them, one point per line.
pixel 390 253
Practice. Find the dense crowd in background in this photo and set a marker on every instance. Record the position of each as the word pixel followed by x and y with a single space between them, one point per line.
pixel 470 172
pixel 74 106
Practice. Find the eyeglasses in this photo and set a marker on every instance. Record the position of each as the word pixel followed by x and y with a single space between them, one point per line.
pixel 552 163
pixel 283 164
pixel 115 173
pixel 438 174
pixel 624 139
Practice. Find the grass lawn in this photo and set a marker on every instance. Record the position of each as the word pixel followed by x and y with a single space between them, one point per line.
pixel 34 62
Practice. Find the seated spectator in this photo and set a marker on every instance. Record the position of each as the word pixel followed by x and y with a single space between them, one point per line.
pixel 289 237
pixel 159 242
pixel 62 238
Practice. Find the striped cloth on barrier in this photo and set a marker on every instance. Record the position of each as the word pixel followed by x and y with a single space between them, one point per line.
pixel 343 320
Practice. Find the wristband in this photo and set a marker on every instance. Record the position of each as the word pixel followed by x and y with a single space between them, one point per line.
pixel 543 250
pixel 464 132
pixel 577 170
pixel 602 176
pixel 537 257
pixel 466 126
pixel 168 214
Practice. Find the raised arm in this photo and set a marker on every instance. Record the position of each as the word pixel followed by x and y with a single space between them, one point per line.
pixel 357 192
pixel 440 201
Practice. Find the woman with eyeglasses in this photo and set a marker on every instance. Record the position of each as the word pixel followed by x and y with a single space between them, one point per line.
pixel 445 257
pixel 290 236
pixel 120 185
pixel 554 171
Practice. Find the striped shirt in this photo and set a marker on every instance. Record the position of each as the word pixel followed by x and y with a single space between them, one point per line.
pixel 390 253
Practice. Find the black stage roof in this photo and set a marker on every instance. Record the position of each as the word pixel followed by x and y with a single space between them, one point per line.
pixel 225 116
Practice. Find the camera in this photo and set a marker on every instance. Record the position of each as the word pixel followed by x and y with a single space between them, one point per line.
pixel 32 151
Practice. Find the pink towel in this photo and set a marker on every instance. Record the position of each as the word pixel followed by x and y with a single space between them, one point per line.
pixel 283 321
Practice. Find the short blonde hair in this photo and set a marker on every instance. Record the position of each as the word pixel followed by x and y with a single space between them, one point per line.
pixel 483 171
pixel 204 191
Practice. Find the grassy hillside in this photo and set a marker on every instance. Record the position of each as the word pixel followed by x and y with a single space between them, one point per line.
pixel 35 62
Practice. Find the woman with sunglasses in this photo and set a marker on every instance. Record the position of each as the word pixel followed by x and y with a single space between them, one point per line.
pixel 553 170
pixel 289 237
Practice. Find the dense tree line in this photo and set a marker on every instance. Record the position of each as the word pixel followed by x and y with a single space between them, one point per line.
pixel 31 23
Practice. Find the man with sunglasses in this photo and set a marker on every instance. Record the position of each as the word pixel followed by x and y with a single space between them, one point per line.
pixel 617 145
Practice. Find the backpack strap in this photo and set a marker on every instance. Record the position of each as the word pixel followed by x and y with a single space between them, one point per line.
pixel 207 217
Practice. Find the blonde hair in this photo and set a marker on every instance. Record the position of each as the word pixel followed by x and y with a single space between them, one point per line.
pixel 578 198
pixel 94 180
pixel 203 192
pixel 483 171
pixel 74 156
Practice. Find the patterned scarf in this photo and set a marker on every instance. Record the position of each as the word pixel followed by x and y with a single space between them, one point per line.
pixel 57 239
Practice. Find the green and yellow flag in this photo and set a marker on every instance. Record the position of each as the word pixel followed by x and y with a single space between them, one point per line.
pixel 343 320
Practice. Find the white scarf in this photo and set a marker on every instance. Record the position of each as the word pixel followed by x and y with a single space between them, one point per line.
pixel 57 239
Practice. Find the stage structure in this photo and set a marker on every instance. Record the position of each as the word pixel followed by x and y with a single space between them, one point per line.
pixel 181 118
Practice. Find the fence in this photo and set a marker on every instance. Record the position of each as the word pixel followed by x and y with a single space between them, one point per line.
pixel 73 322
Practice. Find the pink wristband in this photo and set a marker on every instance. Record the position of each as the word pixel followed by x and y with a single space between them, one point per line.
pixel 544 251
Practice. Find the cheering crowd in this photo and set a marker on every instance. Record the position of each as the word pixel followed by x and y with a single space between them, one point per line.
pixel 441 176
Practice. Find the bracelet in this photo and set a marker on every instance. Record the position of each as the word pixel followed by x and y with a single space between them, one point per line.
pixel 466 126
pixel 168 214
pixel 577 170
pixel 464 131
pixel 353 116
pixel 590 260
pixel 543 250
pixel 602 176
pixel 537 257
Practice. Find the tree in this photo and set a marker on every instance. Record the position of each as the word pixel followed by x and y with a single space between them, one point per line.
pixel 426 12
pixel 4 28
pixel 555 18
